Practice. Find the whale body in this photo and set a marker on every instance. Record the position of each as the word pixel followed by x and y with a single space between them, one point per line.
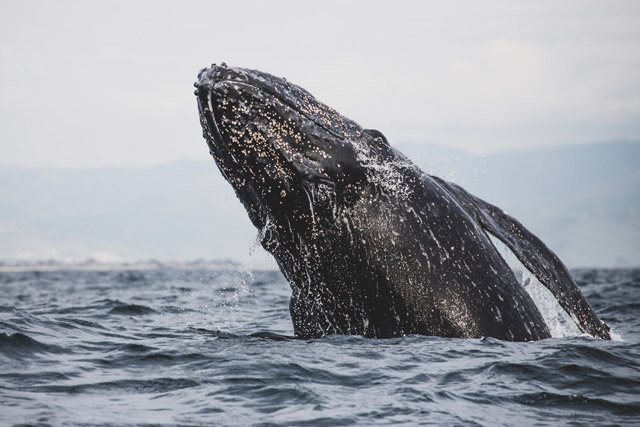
pixel 370 244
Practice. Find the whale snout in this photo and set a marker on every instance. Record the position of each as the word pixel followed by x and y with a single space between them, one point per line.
pixel 207 77
pixel 208 74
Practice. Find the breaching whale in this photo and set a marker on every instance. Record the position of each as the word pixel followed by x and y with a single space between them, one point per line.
pixel 370 244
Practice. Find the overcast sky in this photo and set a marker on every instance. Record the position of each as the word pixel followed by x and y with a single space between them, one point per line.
pixel 110 83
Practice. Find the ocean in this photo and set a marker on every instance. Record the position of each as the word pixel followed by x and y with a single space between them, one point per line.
pixel 194 346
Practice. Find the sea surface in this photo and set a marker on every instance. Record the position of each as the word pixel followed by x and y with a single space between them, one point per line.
pixel 192 346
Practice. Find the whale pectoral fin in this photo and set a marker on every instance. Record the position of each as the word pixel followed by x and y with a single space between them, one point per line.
pixel 534 255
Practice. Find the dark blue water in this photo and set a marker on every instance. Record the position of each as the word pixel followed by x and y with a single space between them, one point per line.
pixel 197 347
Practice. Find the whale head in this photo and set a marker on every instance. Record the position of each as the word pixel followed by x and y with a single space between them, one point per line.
pixel 277 145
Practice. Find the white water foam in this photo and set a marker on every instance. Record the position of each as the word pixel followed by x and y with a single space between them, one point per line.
pixel 383 172
pixel 559 321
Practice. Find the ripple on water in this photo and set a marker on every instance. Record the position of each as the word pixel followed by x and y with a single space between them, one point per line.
pixel 129 386
pixel 132 310
pixel 173 347
pixel 19 346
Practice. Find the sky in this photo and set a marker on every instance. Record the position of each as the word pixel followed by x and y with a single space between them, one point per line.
pixel 86 84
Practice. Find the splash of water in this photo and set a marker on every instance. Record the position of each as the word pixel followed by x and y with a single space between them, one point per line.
pixel 559 322
pixel 383 172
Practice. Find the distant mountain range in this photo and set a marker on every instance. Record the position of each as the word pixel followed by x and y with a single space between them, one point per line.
pixel 582 200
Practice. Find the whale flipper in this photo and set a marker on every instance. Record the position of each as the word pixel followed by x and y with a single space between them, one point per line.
pixel 534 255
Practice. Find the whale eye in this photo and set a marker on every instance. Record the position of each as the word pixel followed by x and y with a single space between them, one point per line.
pixel 376 134
pixel 378 143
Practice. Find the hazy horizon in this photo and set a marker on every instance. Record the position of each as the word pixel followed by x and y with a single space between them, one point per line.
pixel 421 149
pixel 583 201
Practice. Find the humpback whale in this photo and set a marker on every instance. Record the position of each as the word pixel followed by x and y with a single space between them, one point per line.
pixel 370 244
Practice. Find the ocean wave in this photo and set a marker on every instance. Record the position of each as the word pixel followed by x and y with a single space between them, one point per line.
pixel 196 348
pixel 132 310
pixel 130 386
pixel 19 345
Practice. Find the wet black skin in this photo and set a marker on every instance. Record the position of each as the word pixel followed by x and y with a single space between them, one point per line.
pixel 370 244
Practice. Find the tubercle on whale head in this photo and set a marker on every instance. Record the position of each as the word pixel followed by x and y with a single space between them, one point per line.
pixel 273 141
